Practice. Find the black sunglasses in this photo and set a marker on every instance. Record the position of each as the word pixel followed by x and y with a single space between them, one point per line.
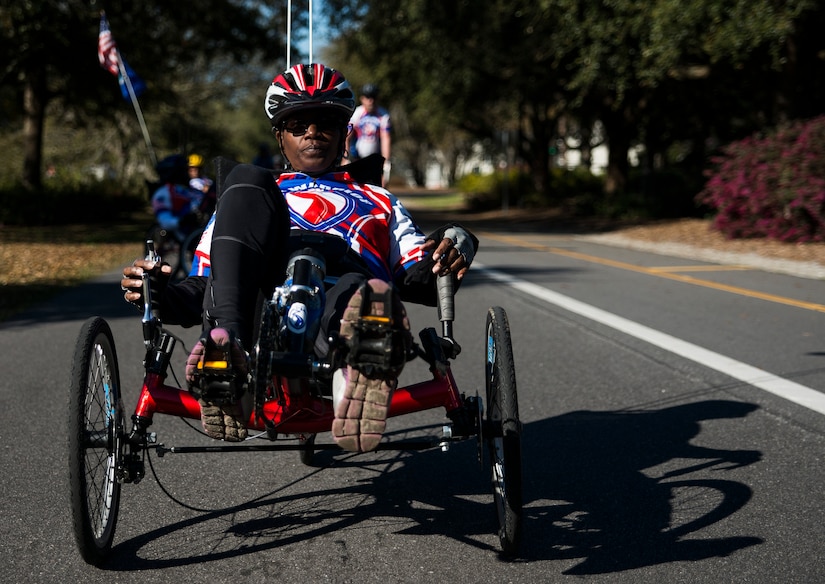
pixel 325 125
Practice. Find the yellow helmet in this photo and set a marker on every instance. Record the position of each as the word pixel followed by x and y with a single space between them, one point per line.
pixel 195 160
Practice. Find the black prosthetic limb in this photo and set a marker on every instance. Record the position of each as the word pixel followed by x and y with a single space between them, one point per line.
pixel 249 249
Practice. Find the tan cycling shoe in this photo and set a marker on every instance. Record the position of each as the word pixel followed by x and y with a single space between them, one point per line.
pixel 377 332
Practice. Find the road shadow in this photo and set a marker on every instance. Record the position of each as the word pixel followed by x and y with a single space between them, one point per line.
pixel 613 516
pixel 99 297
pixel 587 498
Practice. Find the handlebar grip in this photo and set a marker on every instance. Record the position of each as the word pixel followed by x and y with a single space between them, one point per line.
pixel 446 298
pixel 150 312
pixel 151 252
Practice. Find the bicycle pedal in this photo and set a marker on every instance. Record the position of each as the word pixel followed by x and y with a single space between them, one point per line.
pixel 218 383
pixel 375 348
pixel 221 391
pixel 220 367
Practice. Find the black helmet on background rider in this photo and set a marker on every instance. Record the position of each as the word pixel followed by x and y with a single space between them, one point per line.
pixel 370 90
pixel 173 169
pixel 309 86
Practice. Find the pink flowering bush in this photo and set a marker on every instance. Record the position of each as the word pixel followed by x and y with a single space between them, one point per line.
pixel 771 186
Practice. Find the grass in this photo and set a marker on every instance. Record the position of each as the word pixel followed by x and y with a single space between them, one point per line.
pixel 431 200
pixel 36 263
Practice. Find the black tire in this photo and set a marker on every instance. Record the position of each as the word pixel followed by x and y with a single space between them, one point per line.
pixel 96 440
pixel 503 431
pixel 187 251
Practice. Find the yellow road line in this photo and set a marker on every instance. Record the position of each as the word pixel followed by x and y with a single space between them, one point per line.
pixel 658 272
pixel 731 268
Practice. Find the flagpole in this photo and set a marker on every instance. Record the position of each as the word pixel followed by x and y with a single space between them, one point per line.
pixel 138 111
pixel 288 33
pixel 310 32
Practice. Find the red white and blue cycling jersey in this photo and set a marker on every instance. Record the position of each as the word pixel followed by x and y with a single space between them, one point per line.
pixel 367 127
pixel 171 203
pixel 370 219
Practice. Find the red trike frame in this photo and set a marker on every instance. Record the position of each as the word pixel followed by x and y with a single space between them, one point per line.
pixel 102 455
pixel 304 414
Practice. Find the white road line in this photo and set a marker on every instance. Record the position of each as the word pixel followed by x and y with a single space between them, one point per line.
pixel 784 388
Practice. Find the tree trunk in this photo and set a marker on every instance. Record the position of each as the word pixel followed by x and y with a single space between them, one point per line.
pixel 537 154
pixel 586 147
pixel 34 113
pixel 617 133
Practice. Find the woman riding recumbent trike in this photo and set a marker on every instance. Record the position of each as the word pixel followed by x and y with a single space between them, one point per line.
pixel 291 393
pixel 292 386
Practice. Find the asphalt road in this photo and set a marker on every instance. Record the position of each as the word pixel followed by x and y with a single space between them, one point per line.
pixel 673 432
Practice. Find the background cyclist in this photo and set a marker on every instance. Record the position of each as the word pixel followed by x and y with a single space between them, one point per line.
pixel 371 130
pixel 177 206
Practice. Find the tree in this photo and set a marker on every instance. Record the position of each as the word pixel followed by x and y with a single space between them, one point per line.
pixel 635 63
pixel 51 46
pixel 434 63
pixel 655 72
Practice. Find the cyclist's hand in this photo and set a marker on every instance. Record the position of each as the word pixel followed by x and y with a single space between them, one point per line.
pixel 132 281
pixel 453 254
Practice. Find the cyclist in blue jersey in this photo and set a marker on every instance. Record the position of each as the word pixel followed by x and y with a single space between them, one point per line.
pixel 197 179
pixel 246 246
pixel 176 206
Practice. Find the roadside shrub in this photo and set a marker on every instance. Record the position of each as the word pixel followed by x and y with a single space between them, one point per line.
pixel 665 193
pixel 484 192
pixel 565 188
pixel 576 191
pixel 566 184
pixel 771 186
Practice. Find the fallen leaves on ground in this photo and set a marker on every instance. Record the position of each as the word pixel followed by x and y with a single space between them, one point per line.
pixel 53 263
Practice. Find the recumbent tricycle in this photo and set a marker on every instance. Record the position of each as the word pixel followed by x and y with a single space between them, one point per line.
pixel 291 391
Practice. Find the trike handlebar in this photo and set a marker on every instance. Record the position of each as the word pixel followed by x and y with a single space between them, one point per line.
pixel 446 313
pixel 151 312
pixel 446 303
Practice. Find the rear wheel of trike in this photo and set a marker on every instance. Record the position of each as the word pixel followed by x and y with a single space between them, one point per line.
pixel 96 440
pixel 503 430
pixel 187 251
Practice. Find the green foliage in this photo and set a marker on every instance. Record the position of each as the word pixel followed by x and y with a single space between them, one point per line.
pixel 488 191
pixel 245 126
pixel 192 57
pixel 666 193
pixel 655 73
pixel 566 184
pixel 567 188
pixel 662 194
pixel 579 193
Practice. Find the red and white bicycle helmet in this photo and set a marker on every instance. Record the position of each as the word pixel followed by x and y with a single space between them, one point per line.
pixel 309 86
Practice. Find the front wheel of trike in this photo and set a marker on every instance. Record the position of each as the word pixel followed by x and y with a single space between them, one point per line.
pixel 502 430
pixel 96 440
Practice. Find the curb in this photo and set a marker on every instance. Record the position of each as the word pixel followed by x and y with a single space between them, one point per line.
pixel 810 270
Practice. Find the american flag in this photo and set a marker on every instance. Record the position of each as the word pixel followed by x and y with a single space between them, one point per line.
pixel 106 48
